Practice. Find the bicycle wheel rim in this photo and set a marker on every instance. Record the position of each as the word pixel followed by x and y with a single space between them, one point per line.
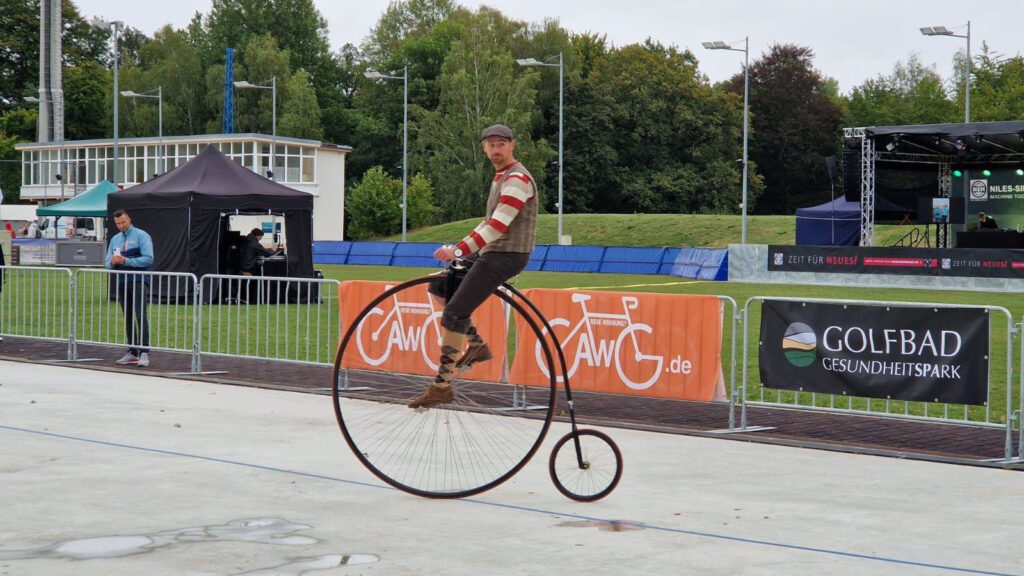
pixel 452 450
pixel 602 471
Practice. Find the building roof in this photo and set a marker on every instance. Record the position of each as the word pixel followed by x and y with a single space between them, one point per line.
pixel 187 139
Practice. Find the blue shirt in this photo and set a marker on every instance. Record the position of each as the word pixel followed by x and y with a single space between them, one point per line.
pixel 135 245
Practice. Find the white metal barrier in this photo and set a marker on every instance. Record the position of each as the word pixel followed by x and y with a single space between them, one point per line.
pixel 152 310
pixel 1000 416
pixel 274 318
pixel 36 303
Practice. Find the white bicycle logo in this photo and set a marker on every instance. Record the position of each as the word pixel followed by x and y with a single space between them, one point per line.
pixel 597 351
pixel 393 327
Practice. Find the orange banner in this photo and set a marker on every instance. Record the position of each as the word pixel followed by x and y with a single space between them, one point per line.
pixel 656 345
pixel 402 334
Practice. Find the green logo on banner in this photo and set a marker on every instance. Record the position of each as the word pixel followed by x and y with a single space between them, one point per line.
pixel 800 345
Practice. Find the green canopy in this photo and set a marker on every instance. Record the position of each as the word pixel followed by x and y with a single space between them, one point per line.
pixel 92 202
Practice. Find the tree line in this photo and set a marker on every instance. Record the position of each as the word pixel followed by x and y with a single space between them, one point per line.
pixel 645 131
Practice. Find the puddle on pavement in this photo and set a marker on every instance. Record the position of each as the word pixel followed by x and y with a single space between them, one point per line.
pixel 277 531
pixel 603 525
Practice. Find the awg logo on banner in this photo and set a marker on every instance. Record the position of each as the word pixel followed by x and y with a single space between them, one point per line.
pixel 904 353
pixel 656 345
pixel 402 334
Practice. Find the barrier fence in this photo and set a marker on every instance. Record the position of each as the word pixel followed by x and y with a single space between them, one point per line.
pixel 290 319
pixel 36 303
pixel 995 411
pixel 150 310
pixel 614 342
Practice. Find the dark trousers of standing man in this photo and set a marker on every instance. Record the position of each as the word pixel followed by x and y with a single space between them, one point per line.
pixel 133 296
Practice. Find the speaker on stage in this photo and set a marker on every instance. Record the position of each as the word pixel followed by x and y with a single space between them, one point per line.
pixel 851 169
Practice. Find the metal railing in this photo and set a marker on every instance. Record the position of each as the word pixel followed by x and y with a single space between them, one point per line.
pixel 154 310
pixel 36 303
pixel 992 414
pixel 290 319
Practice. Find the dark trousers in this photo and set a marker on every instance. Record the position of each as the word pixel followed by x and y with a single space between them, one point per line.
pixel 134 300
pixel 488 272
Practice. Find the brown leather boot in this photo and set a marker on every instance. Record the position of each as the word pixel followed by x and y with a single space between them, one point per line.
pixel 433 396
pixel 473 355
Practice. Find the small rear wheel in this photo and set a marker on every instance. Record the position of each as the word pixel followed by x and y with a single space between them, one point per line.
pixel 594 473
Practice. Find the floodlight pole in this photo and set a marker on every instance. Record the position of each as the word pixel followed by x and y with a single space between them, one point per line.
pixel 943 31
pixel 374 75
pixel 160 119
pixel 746 122
pixel 561 131
pixel 273 118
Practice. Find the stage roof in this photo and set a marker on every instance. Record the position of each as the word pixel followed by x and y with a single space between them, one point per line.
pixel 976 142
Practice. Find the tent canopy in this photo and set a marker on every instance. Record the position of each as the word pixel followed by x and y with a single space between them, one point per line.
pixel 92 202
pixel 835 223
pixel 185 211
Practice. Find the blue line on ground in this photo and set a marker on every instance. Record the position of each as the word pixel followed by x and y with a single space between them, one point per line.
pixel 711 535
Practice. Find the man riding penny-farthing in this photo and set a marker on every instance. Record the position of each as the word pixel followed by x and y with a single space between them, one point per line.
pixel 456 434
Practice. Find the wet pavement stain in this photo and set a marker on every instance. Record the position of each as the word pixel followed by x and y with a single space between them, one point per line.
pixel 276 531
pixel 303 565
pixel 603 525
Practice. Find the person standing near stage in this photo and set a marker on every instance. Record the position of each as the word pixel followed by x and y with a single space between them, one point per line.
pixel 499 247
pixel 986 222
pixel 131 250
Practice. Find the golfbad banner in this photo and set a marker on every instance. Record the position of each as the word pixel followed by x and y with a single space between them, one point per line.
pixel 903 353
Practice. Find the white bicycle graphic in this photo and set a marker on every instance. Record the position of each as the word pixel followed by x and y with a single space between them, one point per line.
pixel 392 325
pixel 646 367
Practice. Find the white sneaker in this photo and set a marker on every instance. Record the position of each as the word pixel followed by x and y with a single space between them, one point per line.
pixel 144 360
pixel 128 358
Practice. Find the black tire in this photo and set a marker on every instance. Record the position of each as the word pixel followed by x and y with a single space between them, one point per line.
pixel 452 450
pixel 601 470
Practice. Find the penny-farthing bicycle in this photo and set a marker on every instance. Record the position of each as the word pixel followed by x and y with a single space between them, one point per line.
pixel 490 430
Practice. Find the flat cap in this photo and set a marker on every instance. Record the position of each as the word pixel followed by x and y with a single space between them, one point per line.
pixel 497 131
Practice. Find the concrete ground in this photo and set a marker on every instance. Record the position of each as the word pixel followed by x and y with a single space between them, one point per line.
pixel 111 473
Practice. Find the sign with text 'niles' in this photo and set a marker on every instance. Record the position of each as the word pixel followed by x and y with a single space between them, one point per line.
pixel 903 353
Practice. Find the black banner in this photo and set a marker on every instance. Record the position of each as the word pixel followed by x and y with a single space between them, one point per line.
pixel 970 262
pixel 921 354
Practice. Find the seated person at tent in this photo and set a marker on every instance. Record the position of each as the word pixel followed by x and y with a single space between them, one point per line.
pixel 251 252
pixel 986 222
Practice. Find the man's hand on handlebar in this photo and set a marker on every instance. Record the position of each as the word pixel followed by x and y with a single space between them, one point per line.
pixel 445 253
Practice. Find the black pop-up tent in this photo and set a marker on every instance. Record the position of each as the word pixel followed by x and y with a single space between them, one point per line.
pixel 183 210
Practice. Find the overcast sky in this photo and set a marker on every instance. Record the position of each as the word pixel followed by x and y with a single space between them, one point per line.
pixel 853 40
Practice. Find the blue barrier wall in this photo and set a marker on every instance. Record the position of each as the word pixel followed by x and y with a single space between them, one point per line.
pixel 687 262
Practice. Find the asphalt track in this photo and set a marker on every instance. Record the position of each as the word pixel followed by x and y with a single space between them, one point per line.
pixel 115 473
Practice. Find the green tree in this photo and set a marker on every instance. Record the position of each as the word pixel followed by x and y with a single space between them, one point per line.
pixel 420 196
pixel 301 112
pixel 998 89
pixel 373 205
pixel 261 61
pixel 10 168
pixel 795 126
pixel 172 62
pixel 911 94
pixel 480 85
pixel 87 102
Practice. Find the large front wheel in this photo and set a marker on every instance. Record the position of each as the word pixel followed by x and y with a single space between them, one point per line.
pixel 459 448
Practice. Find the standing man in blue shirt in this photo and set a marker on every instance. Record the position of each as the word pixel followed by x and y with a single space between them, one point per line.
pixel 131 250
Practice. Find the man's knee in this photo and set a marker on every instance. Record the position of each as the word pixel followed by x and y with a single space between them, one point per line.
pixel 454 323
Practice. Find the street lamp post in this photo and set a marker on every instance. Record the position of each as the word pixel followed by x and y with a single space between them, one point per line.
pixel 160 118
pixel 943 31
pixel 719 45
pixel 116 25
pixel 273 118
pixel 374 75
pixel 561 109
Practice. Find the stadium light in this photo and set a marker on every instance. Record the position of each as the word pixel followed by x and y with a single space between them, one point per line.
pixel 720 45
